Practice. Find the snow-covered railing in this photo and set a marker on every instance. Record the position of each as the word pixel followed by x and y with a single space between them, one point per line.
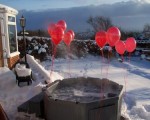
pixel 41 70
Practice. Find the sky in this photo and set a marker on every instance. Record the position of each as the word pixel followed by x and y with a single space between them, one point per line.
pixel 48 4
pixel 127 14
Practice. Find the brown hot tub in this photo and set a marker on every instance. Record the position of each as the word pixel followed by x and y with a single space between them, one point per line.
pixel 83 99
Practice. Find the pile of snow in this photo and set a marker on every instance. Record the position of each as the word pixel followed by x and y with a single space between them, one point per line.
pixel 7 77
pixel 140 111
pixel 46 75
pixel 22 71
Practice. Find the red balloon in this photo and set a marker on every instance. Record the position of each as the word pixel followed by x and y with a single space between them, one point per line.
pixel 130 44
pixel 57 35
pixel 101 38
pixel 73 34
pixel 62 24
pixel 51 27
pixel 67 38
pixel 120 47
pixel 113 36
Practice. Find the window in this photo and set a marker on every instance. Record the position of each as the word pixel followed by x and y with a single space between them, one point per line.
pixel 11 19
pixel 12 38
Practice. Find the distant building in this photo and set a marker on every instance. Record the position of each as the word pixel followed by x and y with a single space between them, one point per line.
pixel 144 36
pixel 84 35
pixel 143 44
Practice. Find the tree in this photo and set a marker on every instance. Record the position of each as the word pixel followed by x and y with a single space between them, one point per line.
pixel 146 31
pixel 146 28
pixel 99 23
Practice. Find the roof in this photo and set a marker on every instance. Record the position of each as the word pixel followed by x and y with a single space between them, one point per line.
pixel 7 9
pixel 143 41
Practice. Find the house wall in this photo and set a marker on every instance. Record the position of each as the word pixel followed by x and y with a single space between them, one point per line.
pixel 9 59
pixel 12 61
pixel 1 49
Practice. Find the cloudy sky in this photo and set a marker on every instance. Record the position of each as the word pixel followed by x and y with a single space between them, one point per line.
pixel 47 4
pixel 127 14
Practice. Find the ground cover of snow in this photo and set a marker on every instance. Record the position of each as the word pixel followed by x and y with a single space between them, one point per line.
pixel 134 72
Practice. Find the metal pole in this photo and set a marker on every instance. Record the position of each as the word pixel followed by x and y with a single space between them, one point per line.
pixel 24 45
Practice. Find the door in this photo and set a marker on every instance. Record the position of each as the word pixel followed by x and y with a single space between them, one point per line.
pixel 1 49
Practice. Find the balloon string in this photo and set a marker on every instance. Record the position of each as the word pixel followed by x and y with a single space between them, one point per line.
pixel 122 58
pixel 129 57
pixel 125 75
pixel 101 95
pixel 68 52
pixel 109 52
pixel 102 55
pixel 53 58
pixel 101 90
pixel 107 64
pixel 102 61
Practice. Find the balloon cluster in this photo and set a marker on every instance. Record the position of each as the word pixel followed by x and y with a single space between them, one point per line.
pixel 57 33
pixel 112 37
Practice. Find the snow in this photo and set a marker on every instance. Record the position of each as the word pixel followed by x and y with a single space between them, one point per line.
pixel 5 8
pixel 45 75
pixel 22 71
pixel 11 95
pixel 134 74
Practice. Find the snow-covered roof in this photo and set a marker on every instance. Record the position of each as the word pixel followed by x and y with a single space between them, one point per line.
pixel 6 9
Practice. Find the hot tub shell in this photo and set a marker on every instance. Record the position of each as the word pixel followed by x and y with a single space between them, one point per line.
pixel 108 108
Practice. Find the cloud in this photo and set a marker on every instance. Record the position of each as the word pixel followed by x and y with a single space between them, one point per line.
pixel 142 1
pixel 128 15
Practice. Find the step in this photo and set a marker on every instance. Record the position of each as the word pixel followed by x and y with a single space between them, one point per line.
pixel 34 105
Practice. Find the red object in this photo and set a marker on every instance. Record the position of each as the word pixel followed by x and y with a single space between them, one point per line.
pixel 67 38
pixel 113 36
pixel 57 35
pixel 3 115
pixel 51 27
pixel 120 47
pixel 130 44
pixel 101 38
pixel 73 34
pixel 62 24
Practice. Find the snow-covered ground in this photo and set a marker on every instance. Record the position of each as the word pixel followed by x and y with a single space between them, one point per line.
pixel 135 73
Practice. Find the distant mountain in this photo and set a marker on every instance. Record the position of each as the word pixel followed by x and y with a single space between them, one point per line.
pixel 131 15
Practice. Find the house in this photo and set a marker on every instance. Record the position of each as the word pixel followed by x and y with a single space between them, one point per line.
pixel 9 53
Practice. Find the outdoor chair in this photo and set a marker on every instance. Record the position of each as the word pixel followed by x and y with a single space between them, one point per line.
pixel 23 72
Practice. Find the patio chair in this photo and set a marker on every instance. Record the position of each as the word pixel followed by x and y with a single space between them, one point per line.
pixel 23 72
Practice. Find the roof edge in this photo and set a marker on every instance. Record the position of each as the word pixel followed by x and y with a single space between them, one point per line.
pixel 7 9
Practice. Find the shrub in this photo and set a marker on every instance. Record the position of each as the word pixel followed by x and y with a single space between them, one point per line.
pixel 41 48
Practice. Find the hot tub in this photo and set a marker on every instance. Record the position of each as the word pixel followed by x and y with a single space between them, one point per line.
pixel 83 99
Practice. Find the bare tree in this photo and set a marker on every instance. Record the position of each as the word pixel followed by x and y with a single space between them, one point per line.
pixel 146 28
pixel 99 23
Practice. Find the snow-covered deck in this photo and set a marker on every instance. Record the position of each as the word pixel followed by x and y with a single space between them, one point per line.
pixel 6 75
